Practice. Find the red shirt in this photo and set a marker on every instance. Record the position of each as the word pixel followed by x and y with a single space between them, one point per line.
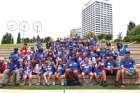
pixel 23 51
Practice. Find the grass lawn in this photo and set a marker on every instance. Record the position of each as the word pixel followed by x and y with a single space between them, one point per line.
pixel 129 87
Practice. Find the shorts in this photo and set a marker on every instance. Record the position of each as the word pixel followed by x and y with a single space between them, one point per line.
pixel 111 73
pixel 41 72
pixel 50 72
pixel 130 72
pixel 36 69
pixel 86 73
pixel 97 70
pixel 60 72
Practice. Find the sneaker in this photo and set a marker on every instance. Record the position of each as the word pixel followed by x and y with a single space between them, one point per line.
pixel 38 83
pixel 104 84
pixel 30 84
pixel 62 83
pixel 53 83
pixel 117 83
pixel 136 83
pixel 122 86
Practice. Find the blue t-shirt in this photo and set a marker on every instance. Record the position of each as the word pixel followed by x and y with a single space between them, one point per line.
pixel 28 57
pixel 102 52
pixel 12 66
pixel 42 68
pixel 128 63
pixel 38 56
pixel 38 45
pixel 50 68
pixel 14 57
pixel 107 64
pixel 79 59
pixel 93 54
pixel 72 65
pixel 122 51
pixel 86 68
pixel 60 68
pixel 28 69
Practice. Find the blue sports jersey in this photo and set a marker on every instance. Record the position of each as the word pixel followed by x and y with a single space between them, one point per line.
pixel 42 68
pixel 79 59
pixel 13 57
pixel 102 52
pixel 128 63
pixel 93 54
pixel 12 66
pixel 28 69
pixel 28 57
pixel 50 68
pixel 91 41
pixel 86 68
pixel 38 45
pixel 38 56
pixel 72 65
pixel 60 69
pixel 107 64
pixel 122 51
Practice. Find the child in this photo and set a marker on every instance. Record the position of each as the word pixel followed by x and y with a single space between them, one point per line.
pixel 49 72
pixel 59 74
pixel 86 69
pixel 28 73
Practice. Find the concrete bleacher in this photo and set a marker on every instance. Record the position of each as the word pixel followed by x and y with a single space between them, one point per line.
pixel 134 48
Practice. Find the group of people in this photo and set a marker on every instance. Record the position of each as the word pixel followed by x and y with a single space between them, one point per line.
pixel 71 59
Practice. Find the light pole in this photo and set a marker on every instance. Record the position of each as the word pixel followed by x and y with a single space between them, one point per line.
pixel 12 26
pixel 23 26
pixel 37 26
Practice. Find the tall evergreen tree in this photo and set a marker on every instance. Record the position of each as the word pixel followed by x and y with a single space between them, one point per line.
pixel 19 38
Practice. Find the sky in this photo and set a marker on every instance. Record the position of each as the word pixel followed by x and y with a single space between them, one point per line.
pixel 58 17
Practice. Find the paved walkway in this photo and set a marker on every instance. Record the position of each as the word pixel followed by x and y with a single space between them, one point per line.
pixel 68 91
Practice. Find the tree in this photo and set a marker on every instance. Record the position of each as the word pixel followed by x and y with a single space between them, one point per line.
pixel 133 35
pixel 119 38
pixel 89 34
pixel 19 38
pixel 47 39
pixel 100 36
pixel 130 26
pixel 7 39
pixel 108 36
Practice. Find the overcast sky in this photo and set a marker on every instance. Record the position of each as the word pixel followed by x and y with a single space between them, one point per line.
pixel 59 16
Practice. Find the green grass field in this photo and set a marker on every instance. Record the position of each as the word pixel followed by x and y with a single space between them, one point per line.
pixel 57 87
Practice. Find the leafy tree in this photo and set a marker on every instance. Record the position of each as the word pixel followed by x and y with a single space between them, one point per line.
pixel 100 36
pixel 89 34
pixel 19 38
pixel 108 36
pixel 7 39
pixel 133 35
pixel 130 26
pixel 47 39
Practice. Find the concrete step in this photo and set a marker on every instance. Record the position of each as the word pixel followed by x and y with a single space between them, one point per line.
pixel 6 49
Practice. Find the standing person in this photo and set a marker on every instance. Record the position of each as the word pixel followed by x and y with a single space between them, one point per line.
pixel 121 50
pixel 23 50
pixel 38 57
pixel 12 67
pixel 128 67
